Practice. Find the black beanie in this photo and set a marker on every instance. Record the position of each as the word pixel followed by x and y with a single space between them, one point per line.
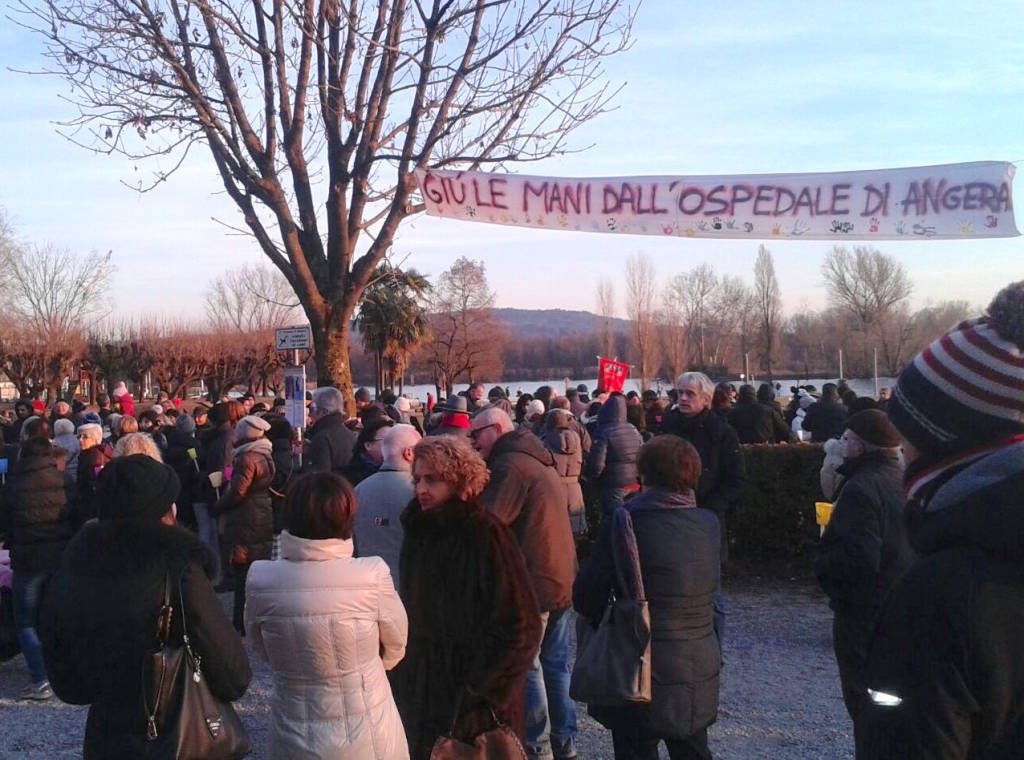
pixel 873 426
pixel 136 487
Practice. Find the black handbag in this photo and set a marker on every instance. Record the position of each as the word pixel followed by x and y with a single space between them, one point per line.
pixel 613 661
pixel 184 720
pixel 9 646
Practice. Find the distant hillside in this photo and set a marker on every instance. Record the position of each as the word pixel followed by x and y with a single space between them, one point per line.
pixel 529 323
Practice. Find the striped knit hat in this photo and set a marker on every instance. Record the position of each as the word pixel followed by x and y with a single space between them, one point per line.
pixel 967 388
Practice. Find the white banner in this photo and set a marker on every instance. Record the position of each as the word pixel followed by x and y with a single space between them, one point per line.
pixel 954 201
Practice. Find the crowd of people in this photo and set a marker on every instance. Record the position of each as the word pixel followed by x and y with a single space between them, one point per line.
pixel 410 581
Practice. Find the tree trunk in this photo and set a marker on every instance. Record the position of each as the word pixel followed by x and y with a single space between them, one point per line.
pixel 332 358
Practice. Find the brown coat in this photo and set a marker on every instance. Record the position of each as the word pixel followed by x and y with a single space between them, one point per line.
pixel 246 507
pixel 473 624
pixel 526 494
pixel 567 450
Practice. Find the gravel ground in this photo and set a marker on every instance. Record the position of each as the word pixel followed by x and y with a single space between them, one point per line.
pixel 780 689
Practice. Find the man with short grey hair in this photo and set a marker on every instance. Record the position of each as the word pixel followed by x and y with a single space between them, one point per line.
pixel 723 471
pixel 383 496
pixel 330 441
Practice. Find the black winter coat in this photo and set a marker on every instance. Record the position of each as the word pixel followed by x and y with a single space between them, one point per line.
pixel 90 463
pixel 474 625
pixel 284 464
pixel 12 432
pixel 215 447
pixel 758 423
pixel 723 470
pixel 824 420
pixel 245 505
pixel 526 494
pixel 34 515
pixel 864 549
pixel 98 621
pixel 187 469
pixel 331 444
pixel 678 546
pixel 947 642
pixel 613 454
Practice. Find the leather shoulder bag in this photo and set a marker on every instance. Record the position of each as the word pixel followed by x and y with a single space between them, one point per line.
pixel 498 743
pixel 184 719
pixel 613 661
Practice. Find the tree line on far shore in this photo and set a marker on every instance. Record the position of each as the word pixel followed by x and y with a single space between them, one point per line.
pixel 63 330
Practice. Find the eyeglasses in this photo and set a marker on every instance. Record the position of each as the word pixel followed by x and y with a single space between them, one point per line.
pixel 474 434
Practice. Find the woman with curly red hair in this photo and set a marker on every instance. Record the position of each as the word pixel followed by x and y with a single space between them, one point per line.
pixel 473 618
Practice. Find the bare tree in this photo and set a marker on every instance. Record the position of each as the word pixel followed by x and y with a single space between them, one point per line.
pixel 317 113
pixel 250 299
pixel 641 304
pixel 673 330
pixel 55 292
pixel 730 311
pixel 872 288
pixel 697 288
pixel 865 282
pixel 465 337
pixel 605 314
pixel 119 350
pixel 768 301
pixel 51 298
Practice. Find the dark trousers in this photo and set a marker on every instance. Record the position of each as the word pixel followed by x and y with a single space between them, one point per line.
pixel 631 744
pixel 850 638
pixel 241 573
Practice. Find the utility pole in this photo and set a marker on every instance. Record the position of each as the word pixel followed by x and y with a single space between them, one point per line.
pixel 876 372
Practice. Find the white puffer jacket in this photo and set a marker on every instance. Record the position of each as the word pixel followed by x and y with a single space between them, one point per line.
pixel 329 625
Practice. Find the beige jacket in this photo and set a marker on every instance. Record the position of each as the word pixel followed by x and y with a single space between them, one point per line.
pixel 329 625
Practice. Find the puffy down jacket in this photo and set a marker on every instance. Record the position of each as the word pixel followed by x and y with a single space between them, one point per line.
pixel 329 625
pixel 567 449
pixel 612 459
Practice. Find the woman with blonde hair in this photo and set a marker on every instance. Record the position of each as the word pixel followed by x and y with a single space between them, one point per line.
pixel 473 618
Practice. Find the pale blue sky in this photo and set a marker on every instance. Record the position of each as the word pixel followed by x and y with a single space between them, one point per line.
pixel 710 89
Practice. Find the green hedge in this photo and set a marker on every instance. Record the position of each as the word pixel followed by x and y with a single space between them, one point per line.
pixel 772 529
pixel 774 520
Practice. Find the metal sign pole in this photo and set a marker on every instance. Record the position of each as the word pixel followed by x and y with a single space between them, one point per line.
pixel 291 340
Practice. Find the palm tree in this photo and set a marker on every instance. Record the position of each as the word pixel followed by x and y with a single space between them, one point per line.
pixel 392 321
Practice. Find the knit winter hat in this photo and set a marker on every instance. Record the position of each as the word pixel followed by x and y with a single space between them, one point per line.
pixel 872 426
pixel 967 388
pixel 136 487
pixel 185 424
pixel 250 428
pixel 63 427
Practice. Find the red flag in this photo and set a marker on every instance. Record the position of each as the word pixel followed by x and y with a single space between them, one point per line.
pixel 611 375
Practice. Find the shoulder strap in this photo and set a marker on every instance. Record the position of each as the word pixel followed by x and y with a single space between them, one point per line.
pixel 181 605
pixel 166 614
pixel 626 556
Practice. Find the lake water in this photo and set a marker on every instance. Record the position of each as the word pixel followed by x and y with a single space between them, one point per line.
pixel 861 387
